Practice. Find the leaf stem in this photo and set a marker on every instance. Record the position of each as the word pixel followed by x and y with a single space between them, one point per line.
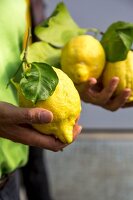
pixel 26 48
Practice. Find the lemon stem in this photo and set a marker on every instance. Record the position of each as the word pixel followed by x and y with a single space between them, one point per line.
pixel 24 60
pixel 95 31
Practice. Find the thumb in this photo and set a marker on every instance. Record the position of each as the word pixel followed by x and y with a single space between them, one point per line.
pixel 34 115
pixel 25 115
pixel 91 82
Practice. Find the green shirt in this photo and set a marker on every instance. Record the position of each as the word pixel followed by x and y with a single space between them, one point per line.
pixel 12 30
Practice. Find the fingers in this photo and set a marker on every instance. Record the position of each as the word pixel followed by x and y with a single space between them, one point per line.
pixel 128 105
pixel 109 90
pixel 29 136
pixel 86 90
pixel 102 97
pixel 118 101
pixel 15 125
pixel 16 115
pixel 76 131
pixel 33 115
pixel 94 94
pixel 91 82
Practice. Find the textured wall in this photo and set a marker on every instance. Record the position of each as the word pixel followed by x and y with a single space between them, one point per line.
pixel 93 168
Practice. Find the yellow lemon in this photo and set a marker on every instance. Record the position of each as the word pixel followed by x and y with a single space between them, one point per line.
pixel 83 57
pixel 64 104
pixel 122 69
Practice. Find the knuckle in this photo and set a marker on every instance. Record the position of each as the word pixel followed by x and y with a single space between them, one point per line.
pixel 57 146
pixel 29 116
pixel 113 110
pixel 55 149
pixel 110 90
pixel 100 101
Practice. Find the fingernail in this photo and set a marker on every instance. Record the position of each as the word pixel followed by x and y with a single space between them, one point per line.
pixel 127 93
pixel 45 117
pixel 115 80
pixel 80 129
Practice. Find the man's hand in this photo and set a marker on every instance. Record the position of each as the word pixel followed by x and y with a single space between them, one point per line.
pixel 15 125
pixel 93 92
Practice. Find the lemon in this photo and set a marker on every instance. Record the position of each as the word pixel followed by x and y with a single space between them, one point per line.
pixel 64 104
pixel 83 57
pixel 122 69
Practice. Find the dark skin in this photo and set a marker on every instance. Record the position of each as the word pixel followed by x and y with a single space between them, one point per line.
pixel 15 122
pixel 93 92
pixel 15 125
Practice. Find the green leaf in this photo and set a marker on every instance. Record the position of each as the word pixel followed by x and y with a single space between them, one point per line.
pixel 39 82
pixel 59 28
pixel 117 41
pixel 15 79
pixel 44 53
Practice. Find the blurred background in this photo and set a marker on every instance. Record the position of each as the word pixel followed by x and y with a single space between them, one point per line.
pixel 98 166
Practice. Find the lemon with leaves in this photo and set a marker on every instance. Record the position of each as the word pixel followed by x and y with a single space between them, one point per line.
pixel 117 42
pixel 35 90
pixel 122 69
pixel 83 57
